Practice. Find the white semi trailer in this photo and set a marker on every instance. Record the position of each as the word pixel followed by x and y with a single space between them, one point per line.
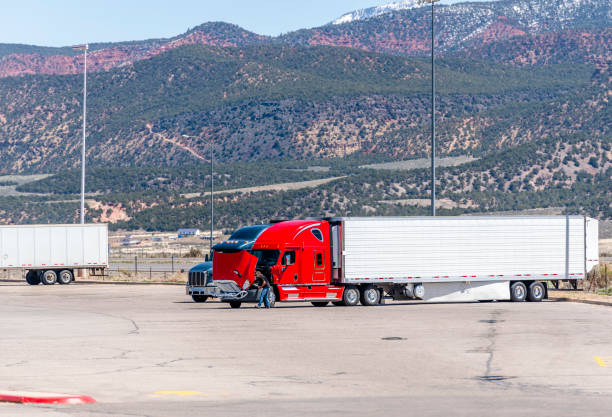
pixel 52 253
pixel 466 258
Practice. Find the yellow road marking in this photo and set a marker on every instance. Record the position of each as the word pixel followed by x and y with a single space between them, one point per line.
pixel 602 361
pixel 179 393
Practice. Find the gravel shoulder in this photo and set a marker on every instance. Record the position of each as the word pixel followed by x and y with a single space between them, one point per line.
pixel 580 296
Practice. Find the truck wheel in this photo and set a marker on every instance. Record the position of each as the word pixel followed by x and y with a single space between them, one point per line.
pixel 320 303
pixel 65 277
pixel 370 296
pixel 350 296
pixel 235 304
pixel 32 278
pixel 518 292
pixel 536 292
pixel 199 298
pixel 49 277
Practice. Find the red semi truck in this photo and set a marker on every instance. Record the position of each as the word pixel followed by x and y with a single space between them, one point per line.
pixel 440 259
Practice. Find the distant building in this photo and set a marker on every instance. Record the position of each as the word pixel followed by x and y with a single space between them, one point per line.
pixel 188 232
pixel 129 241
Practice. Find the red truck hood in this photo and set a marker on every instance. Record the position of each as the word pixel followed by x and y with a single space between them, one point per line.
pixel 234 266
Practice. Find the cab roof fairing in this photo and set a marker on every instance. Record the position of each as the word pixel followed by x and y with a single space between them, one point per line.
pixel 289 233
pixel 242 239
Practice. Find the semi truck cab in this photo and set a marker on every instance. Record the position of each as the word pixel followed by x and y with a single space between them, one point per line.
pixel 294 255
pixel 200 284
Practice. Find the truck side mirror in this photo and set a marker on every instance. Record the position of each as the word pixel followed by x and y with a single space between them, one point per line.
pixel 206 258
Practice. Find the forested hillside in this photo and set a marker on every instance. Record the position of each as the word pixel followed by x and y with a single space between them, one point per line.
pixel 523 92
pixel 285 102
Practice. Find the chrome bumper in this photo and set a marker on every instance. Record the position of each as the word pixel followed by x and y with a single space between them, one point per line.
pixel 224 290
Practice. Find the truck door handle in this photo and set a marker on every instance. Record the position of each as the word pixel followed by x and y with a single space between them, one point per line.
pixel 295 277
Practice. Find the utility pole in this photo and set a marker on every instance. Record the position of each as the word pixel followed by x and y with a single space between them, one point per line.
pixel 212 189
pixel 83 48
pixel 433 108
pixel 212 204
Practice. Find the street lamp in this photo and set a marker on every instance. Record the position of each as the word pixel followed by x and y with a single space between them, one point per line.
pixel 212 188
pixel 83 48
pixel 433 111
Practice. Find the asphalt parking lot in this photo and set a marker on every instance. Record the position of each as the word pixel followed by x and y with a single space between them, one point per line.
pixel 150 351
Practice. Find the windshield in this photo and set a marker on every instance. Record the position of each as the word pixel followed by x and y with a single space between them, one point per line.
pixel 248 233
pixel 266 257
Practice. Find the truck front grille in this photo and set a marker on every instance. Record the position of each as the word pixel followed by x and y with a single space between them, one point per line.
pixel 198 279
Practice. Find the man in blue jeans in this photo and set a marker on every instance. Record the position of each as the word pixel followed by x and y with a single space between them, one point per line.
pixel 262 284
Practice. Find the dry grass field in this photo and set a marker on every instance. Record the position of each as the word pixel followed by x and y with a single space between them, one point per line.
pixel 421 163
pixel 9 190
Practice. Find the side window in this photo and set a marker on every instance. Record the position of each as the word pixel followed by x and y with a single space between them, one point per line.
pixel 288 258
pixel 319 259
pixel 317 233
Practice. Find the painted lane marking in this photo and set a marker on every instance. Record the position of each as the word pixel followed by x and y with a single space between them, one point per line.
pixel 603 361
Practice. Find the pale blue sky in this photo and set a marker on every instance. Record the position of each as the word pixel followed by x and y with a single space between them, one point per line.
pixel 66 22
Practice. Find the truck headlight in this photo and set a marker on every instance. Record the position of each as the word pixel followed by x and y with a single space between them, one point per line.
pixel 246 285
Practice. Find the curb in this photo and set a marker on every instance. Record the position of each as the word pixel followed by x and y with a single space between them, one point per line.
pixel 575 300
pixel 43 398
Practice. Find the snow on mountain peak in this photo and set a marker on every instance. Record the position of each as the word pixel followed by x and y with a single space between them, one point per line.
pixel 377 11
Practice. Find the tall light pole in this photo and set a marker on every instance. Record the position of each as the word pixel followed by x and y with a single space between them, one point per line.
pixel 84 49
pixel 433 109
pixel 212 189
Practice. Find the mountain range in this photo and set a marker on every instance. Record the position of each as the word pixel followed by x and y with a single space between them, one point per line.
pixel 370 12
pixel 541 26
pixel 523 91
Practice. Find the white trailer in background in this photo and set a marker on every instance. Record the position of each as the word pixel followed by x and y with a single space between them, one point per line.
pixel 463 258
pixel 51 253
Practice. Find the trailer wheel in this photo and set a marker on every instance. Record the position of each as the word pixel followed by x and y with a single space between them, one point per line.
pixel 199 298
pixel 536 292
pixel 49 277
pixel 65 277
pixel 235 304
pixel 32 278
pixel 320 303
pixel 350 296
pixel 370 296
pixel 518 292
